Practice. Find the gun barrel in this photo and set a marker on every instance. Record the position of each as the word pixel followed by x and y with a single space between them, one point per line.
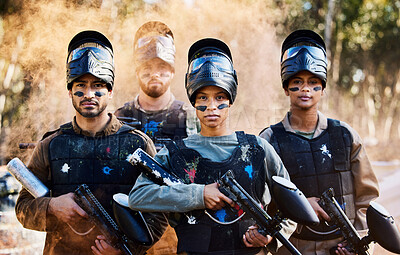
pixel 250 206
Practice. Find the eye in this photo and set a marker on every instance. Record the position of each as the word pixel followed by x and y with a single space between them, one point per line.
pixel 297 82
pixel 221 97
pixel 100 85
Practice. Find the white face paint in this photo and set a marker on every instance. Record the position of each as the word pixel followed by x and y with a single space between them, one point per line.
pixel 325 151
pixel 65 168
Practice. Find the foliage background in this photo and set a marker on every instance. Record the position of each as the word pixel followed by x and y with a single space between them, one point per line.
pixel 362 38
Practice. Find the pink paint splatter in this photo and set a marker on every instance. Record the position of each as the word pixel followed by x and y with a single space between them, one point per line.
pixel 108 149
pixel 192 174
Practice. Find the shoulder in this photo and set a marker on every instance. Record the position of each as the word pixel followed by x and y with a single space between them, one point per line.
pixel 354 134
pixel 266 133
pixel 125 109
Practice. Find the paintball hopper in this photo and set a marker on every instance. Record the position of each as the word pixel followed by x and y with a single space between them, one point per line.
pixel 382 228
pixel 292 202
pixel 131 221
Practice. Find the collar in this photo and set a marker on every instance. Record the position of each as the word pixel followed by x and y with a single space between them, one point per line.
pixel 112 126
pixel 321 125
pixel 137 105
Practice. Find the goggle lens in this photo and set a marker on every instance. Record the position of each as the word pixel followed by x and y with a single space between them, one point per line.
pixel 167 41
pixel 218 60
pixel 98 51
pixel 316 52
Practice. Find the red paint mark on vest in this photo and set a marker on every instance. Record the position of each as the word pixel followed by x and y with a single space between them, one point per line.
pixel 192 174
pixel 108 149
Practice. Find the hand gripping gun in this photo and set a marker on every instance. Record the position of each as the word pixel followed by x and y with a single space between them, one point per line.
pixel 290 200
pixel 134 223
pixel 382 228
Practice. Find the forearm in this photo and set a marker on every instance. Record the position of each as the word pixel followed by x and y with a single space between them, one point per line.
pixel 147 196
pixel 32 213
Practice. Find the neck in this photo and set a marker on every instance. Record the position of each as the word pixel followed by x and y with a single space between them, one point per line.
pixel 220 130
pixel 154 104
pixel 304 120
pixel 92 125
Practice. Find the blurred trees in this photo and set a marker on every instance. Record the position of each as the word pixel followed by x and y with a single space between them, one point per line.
pixel 364 59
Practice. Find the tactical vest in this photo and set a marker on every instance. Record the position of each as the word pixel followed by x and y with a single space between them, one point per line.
pixel 196 232
pixel 99 162
pixel 162 125
pixel 314 166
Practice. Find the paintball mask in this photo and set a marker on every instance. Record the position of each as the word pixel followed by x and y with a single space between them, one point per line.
pixel 90 52
pixel 303 50
pixel 210 64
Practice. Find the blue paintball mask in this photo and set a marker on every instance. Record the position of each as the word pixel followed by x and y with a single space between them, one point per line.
pixel 210 66
pixel 303 50
pixel 92 56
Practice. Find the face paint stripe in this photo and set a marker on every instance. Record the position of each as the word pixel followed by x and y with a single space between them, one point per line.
pixel 294 89
pixel 78 94
pixel 222 106
pixel 317 88
pixel 99 94
pixel 201 108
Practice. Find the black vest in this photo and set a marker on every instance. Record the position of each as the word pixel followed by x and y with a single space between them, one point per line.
pixel 205 235
pixel 99 162
pixel 317 164
pixel 162 125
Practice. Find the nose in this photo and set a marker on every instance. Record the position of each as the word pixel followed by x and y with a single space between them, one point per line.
pixel 305 87
pixel 213 104
pixel 89 93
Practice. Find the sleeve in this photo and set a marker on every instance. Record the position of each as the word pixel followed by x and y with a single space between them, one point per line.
pixel 32 212
pixel 365 182
pixel 266 134
pixel 147 196
pixel 125 110
pixel 275 167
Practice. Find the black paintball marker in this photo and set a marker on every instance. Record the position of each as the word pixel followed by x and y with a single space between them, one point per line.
pixel 131 121
pixel 291 201
pixel 134 222
pixel 382 228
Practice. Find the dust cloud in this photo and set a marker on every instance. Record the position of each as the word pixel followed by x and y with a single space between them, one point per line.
pixel 46 27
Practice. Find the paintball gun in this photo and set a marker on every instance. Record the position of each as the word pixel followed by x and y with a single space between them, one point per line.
pixel 382 228
pixel 97 214
pixel 293 201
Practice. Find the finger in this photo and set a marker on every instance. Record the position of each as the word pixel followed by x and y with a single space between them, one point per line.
pixel 227 200
pixel 101 237
pixel 95 250
pixel 99 246
pixel 246 242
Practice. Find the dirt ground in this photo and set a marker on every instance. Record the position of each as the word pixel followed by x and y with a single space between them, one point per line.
pixel 15 240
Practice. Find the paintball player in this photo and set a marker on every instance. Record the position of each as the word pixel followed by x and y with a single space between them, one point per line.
pixel 318 152
pixel 161 116
pixel 92 149
pixel 200 159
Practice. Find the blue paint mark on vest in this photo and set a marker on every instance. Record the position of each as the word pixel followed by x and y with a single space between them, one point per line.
pixel 107 170
pixel 249 170
pixel 221 214
pixel 151 127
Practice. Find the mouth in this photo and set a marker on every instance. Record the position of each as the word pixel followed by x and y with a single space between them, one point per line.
pixel 305 98
pixel 88 104
pixel 155 82
pixel 211 117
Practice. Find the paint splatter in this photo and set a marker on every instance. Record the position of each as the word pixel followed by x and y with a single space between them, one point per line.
pixel 108 149
pixel 245 152
pixel 201 108
pixel 65 168
pixel 221 215
pixel 325 151
pixel 191 219
pixel 222 106
pixel 99 94
pixel 78 94
pixel 294 89
pixel 151 127
pixel 192 174
pixel 249 171
pixel 107 170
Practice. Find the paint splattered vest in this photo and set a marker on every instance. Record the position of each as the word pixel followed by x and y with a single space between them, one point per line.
pixel 196 232
pixel 317 164
pixel 170 123
pixel 100 162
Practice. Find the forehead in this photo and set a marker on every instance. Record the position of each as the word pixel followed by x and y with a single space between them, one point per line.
pixel 211 90
pixel 304 75
pixel 154 63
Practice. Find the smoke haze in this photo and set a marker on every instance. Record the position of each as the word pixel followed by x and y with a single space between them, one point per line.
pixel 46 27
